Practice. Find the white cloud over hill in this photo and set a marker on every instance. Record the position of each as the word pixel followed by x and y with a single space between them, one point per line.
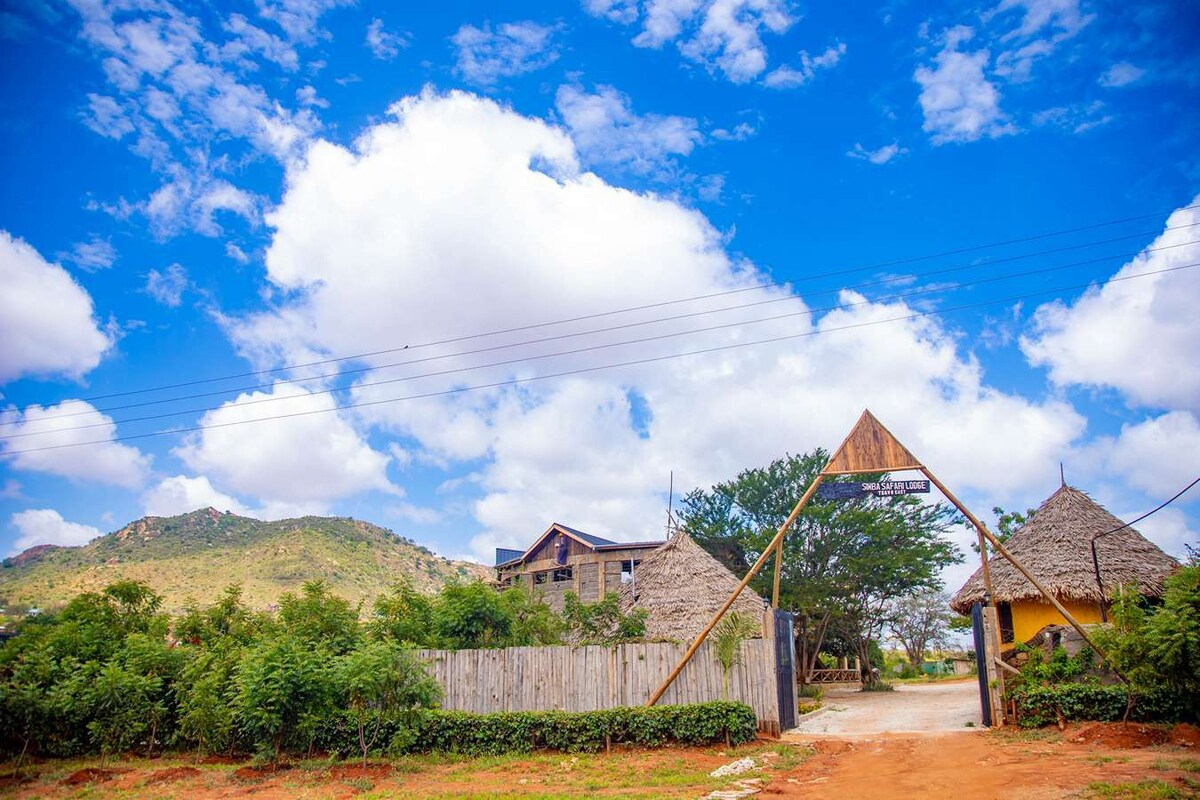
pixel 460 217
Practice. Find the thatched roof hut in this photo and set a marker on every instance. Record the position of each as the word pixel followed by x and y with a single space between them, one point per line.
pixel 1055 545
pixel 682 586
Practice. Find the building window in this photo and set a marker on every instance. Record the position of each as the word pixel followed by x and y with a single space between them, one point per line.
pixel 540 577
pixel 563 574
pixel 1004 614
pixel 627 568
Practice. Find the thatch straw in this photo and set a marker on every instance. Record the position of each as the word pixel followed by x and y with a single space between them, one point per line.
pixel 1055 545
pixel 682 586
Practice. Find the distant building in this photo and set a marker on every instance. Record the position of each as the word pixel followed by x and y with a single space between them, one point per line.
pixel 1055 545
pixel 565 560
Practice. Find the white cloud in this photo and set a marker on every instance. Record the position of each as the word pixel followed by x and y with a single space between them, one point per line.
pixel 384 45
pixel 298 18
pixel 1136 336
pixel 740 132
pixel 46 526
pixel 181 494
pixel 723 35
pixel 1042 25
pixel 1077 119
pixel 236 253
pixel 1169 529
pixel 181 101
pixel 47 320
pixel 167 287
pixel 959 103
pixel 622 11
pixel 880 155
pixel 1121 74
pixel 307 96
pixel 786 77
pixel 300 463
pixel 1062 17
pixel 459 185
pixel 607 131
pixel 1157 455
pixel 71 422
pixel 92 255
pixel 513 48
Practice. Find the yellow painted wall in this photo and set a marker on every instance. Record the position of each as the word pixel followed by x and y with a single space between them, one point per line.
pixel 1030 617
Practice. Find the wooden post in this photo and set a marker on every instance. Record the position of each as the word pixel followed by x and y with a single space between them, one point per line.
pixel 778 570
pixel 691 651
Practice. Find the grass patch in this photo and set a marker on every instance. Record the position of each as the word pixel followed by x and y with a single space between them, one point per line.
pixel 1012 735
pixel 1144 790
pixel 1181 764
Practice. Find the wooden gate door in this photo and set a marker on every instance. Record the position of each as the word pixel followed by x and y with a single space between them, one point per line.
pixel 785 669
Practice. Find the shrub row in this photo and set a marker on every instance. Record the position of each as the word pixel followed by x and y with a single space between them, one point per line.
pixel 526 731
pixel 1040 705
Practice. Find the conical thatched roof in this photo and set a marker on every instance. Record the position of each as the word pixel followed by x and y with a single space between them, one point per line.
pixel 682 586
pixel 1055 545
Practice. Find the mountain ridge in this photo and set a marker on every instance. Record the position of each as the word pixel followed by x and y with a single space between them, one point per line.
pixel 192 557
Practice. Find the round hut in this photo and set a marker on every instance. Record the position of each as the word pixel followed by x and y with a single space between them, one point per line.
pixel 682 586
pixel 1055 545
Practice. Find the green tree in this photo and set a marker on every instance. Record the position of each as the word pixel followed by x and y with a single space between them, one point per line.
pixel 382 681
pixel 1007 523
pixel 1157 648
pixel 727 637
pixel 404 615
pixel 205 693
pixel 843 561
pixel 920 621
pixel 320 618
pixel 470 615
pixel 534 624
pixel 123 705
pixel 282 691
pixel 602 622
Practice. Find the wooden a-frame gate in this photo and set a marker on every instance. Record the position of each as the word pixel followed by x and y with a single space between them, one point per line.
pixel 871 448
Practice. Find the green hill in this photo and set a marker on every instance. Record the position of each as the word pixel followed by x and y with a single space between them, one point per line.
pixel 195 556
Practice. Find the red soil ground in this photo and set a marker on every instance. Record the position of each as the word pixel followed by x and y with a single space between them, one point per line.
pixel 969 764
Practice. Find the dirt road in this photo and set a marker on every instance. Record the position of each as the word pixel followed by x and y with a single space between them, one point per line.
pixel 911 708
pixel 975 766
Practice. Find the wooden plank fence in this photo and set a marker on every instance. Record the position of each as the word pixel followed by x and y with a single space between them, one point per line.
pixel 591 678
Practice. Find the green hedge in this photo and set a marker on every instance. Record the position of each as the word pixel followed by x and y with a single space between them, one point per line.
pixel 1039 705
pixel 525 731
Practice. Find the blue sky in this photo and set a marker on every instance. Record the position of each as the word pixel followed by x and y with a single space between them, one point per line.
pixel 498 230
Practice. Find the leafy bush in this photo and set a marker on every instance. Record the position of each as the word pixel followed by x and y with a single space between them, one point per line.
pixel 587 731
pixel 602 622
pixel 1159 648
pixel 1041 705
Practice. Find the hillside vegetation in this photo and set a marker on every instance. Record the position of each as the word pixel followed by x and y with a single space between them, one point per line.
pixel 194 556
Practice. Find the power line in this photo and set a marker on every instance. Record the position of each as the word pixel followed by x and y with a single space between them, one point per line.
pixel 593 331
pixel 1149 513
pixel 574 351
pixel 582 370
pixel 660 304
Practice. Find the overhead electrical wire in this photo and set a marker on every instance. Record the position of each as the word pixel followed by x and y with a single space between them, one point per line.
pixel 561 353
pixel 663 303
pixel 585 370
pixel 624 326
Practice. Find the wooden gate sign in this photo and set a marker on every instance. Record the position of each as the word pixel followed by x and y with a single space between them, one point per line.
pixel 870 447
pixel 852 490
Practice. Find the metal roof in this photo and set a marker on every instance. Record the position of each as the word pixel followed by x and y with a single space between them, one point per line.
pixel 594 541
pixel 504 554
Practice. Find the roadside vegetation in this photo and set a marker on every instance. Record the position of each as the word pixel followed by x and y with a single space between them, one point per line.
pixel 112 673
pixel 1155 648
